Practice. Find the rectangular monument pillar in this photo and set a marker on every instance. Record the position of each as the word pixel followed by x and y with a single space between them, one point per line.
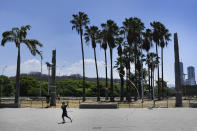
pixel 53 86
pixel 177 73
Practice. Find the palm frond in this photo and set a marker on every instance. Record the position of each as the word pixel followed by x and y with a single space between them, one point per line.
pixel 8 36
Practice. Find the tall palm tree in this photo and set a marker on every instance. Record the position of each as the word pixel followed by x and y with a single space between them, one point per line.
pixel 103 44
pixel 164 42
pixel 133 28
pixel 120 66
pixel 18 36
pixel 79 21
pixel 128 30
pixel 153 64
pixel 92 33
pixel 157 35
pixel 147 44
pixel 112 31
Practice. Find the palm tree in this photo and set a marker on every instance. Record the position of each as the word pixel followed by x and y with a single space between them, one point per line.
pixel 103 43
pixel 153 64
pixel 92 33
pixel 129 76
pixel 147 44
pixel 164 42
pixel 112 31
pixel 133 28
pixel 79 21
pixel 157 35
pixel 128 30
pixel 120 67
pixel 18 36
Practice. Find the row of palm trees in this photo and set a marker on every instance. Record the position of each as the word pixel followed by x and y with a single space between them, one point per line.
pixel 19 37
pixel 132 41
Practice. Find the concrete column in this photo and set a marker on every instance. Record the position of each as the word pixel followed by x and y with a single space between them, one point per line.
pixel 177 73
pixel 53 86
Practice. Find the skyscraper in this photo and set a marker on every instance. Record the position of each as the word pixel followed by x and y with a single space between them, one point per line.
pixel 191 72
pixel 191 76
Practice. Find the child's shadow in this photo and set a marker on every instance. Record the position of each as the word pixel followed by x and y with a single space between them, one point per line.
pixel 63 122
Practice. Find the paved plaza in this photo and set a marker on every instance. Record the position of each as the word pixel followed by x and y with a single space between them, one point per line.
pixel 158 119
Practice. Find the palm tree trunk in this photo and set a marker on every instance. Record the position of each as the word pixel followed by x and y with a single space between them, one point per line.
pixel 17 93
pixel 162 73
pixel 159 93
pixel 127 84
pixel 106 79
pixel 148 67
pixel 112 89
pixel 122 88
pixel 151 82
pixel 139 80
pixel 135 62
pixel 97 77
pixel 83 66
pixel 129 75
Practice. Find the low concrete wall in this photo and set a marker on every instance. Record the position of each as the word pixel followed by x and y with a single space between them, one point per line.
pixel 9 105
pixel 193 105
pixel 98 106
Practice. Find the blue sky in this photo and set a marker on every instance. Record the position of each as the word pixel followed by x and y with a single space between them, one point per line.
pixel 50 21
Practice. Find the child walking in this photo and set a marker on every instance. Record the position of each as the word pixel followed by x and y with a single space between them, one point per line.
pixel 64 113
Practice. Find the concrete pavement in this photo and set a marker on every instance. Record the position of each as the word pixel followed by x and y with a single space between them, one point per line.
pixel 159 119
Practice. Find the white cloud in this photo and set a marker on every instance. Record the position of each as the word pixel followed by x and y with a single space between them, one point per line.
pixel 90 69
pixel 33 65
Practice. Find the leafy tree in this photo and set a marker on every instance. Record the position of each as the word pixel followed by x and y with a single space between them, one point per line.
pixel 79 21
pixel 29 86
pixel 18 36
pixel 166 90
pixel 7 86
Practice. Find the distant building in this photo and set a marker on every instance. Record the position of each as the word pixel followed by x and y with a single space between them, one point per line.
pixel 181 73
pixel 191 72
pixel 191 76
